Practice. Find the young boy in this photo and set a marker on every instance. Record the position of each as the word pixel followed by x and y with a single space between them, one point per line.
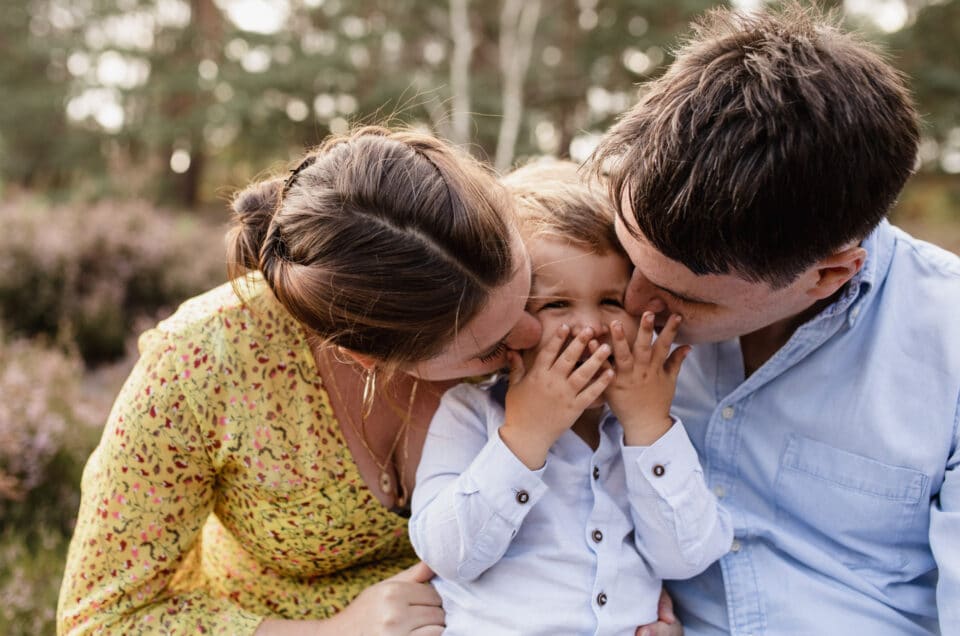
pixel 541 509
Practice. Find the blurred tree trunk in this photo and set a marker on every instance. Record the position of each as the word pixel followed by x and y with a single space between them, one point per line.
pixel 184 105
pixel 460 71
pixel 518 26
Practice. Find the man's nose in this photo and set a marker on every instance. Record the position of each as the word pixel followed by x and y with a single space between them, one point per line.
pixel 642 296
pixel 525 334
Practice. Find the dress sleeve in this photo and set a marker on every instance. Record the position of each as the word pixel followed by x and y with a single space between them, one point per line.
pixel 147 490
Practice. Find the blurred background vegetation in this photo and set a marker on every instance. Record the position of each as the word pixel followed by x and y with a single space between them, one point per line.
pixel 126 124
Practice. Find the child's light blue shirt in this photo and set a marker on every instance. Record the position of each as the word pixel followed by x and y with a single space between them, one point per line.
pixel 577 547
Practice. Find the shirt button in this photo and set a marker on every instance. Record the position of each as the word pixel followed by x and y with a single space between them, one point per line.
pixel 597 536
pixel 596 472
pixel 735 546
pixel 601 599
pixel 522 497
pixel 728 412
pixel 719 492
pixel 659 470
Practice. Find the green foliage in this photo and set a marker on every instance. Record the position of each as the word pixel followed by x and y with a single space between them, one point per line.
pixel 927 51
pixel 84 274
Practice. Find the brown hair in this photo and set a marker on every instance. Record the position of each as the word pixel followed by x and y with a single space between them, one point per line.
pixel 383 242
pixel 772 140
pixel 554 198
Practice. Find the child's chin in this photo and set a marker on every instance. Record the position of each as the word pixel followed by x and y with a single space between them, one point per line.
pixel 596 404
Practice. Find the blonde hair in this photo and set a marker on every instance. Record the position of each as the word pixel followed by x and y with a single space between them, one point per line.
pixel 553 198
pixel 383 242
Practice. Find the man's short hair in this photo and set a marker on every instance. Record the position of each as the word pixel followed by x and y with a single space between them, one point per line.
pixel 772 140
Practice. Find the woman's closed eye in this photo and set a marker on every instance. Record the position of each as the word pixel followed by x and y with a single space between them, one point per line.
pixel 498 350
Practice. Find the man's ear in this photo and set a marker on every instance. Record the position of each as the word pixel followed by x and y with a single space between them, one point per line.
pixel 365 361
pixel 833 272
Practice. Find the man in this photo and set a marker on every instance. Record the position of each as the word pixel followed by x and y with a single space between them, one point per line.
pixel 823 389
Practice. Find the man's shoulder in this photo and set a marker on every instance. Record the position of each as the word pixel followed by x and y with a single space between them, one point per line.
pixel 925 258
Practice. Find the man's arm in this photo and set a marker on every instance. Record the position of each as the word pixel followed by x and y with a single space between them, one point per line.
pixel 944 530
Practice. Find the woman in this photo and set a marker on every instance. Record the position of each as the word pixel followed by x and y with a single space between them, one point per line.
pixel 255 469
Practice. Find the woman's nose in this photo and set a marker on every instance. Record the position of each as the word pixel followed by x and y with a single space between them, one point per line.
pixel 525 334
pixel 642 296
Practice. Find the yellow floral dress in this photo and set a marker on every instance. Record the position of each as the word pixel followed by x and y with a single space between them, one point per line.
pixel 222 491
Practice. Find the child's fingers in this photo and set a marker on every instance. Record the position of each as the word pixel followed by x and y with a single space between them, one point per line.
pixel 643 344
pixel 622 356
pixel 517 370
pixel 661 348
pixel 675 360
pixel 569 357
pixel 592 392
pixel 582 374
pixel 551 350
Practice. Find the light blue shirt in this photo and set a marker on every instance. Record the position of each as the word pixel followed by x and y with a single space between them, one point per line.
pixel 577 547
pixel 838 460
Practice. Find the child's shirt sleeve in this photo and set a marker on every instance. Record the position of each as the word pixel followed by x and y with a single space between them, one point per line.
pixel 680 527
pixel 472 492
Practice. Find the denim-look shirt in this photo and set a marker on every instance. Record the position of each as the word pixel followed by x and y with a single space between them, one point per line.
pixel 576 547
pixel 838 460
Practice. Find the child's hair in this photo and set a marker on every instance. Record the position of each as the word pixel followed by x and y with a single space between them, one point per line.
pixel 773 140
pixel 553 198
pixel 383 242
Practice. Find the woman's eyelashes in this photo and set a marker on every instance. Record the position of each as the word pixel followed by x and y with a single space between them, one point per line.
pixel 498 350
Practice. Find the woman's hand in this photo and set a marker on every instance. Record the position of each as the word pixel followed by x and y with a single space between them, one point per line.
pixel 667 623
pixel 545 400
pixel 646 379
pixel 403 605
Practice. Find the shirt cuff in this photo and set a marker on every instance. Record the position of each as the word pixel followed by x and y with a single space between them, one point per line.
pixel 663 468
pixel 505 483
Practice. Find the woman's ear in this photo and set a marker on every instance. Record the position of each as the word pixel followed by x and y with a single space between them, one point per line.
pixel 365 361
pixel 833 272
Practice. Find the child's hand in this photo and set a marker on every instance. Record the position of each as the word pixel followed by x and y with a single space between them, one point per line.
pixel 547 399
pixel 646 379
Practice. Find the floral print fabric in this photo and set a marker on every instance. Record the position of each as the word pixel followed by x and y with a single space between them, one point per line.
pixel 222 491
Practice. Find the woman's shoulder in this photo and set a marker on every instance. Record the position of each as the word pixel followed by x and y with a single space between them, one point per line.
pixel 241 310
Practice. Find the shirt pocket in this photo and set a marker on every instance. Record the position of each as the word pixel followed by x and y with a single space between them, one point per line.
pixel 855 508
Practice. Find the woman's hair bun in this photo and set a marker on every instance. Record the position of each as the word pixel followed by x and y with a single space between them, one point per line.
pixel 253 209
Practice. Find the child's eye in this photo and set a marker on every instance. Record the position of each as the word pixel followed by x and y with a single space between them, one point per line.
pixel 556 304
pixel 494 353
pixel 615 302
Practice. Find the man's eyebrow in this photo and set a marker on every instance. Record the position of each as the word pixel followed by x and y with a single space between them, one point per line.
pixel 681 296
